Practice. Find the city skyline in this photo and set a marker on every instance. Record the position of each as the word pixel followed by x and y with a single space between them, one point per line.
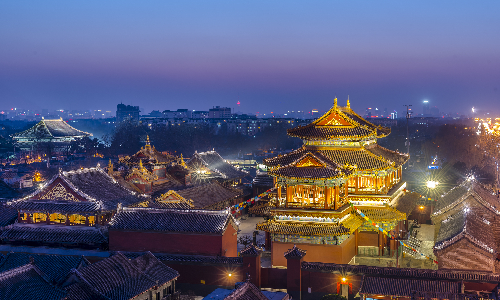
pixel 268 56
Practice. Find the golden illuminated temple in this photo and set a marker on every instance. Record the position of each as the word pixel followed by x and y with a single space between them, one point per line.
pixel 339 164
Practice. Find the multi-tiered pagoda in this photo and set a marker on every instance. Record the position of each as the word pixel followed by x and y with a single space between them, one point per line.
pixel 339 164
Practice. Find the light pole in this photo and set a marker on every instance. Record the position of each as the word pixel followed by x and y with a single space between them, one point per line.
pixel 408 114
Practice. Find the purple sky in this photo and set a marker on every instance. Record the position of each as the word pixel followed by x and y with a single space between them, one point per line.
pixel 269 55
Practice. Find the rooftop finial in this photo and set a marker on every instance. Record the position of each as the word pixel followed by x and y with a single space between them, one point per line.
pixel 140 164
pixel 148 144
pixel 335 102
pixel 348 102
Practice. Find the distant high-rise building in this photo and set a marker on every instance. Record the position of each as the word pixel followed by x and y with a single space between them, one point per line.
pixel 426 112
pixel 368 113
pixel 127 112
pixel 219 112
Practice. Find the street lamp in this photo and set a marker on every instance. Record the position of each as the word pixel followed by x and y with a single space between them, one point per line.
pixel 431 184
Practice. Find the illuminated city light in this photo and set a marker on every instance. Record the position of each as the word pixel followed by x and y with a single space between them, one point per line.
pixel 432 184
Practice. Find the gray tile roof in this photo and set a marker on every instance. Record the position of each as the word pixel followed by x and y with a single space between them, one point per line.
pixel 188 259
pixel 172 220
pixel 7 215
pixel 209 194
pixel 155 269
pixel 404 287
pixel 466 224
pixel 117 278
pixel 216 163
pixel 27 282
pixel 51 128
pixel 470 187
pixel 54 267
pixel 53 234
pixel 401 272
pixel 295 252
pixel 98 190
pixel 251 250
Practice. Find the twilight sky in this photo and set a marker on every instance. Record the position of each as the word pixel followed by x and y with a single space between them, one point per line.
pixel 269 55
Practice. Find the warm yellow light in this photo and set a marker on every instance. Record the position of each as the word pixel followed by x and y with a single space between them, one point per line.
pixel 344 279
pixel 432 184
pixel 230 274
pixel 421 207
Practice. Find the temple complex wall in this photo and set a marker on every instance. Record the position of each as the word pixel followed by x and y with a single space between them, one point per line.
pixel 464 255
pixel 162 242
pixel 338 254
pixel 368 238
pixel 229 242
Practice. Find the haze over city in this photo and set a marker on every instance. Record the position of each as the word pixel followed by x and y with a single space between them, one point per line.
pixel 269 56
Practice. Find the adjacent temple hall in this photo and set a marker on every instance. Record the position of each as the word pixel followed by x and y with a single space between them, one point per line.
pixel 339 165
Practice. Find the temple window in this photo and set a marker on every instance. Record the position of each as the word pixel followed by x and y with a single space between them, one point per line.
pixel 24 217
pixel 57 218
pixel 77 219
pixel 39 218
pixel 91 220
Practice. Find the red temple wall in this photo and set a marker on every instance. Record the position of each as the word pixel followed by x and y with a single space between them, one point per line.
pixel 339 254
pixel 320 282
pixel 273 278
pixel 230 242
pixel 368 238
pixel 138 241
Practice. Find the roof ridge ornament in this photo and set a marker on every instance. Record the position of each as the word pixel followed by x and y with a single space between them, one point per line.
pixel 335 102
pixel 348 102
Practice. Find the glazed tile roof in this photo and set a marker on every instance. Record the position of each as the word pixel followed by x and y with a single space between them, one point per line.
pixel 53 234
pixel 204 196
pixel 320 169
pixel 54 267
pixel 7 215
pixel 295 252
pixel 213 161
pixel 306 228
pixel 172 220
pixel 84 190
pixel 404 287
pixel 27 282
pixel 149 157
pixel 51 128
pixel 154 269
pixel 166 205
pixel 401 272
pixel 339 123
pixel 118 278
pixel 466 224
pixel 365 158
pixel 263 179
pixel 469 188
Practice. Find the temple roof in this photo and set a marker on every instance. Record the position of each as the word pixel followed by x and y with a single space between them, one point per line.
pixel 339 123
pixel 53 234
pixel 347 226
pixel 56 128
pixel 83 190
pixel 251 250
pixel 364 158
pixel 441 274
pixel 466 224
pixel 172 220
pixel 7 215
pixel 27 282
pixel 149 156
pixel 185 258
pixel 216 164
pixel 405 287
pixel 204 196
pixel 312 166
pixel 470 188
pixel 295 252
pixel 118 277
pixel 54 267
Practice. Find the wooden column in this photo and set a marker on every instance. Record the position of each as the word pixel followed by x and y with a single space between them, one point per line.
pixel 336 197
pixel 346 190
pixel 356 185
pixel 356 242
pixel 327 196
pixel 380 243
pixel 48 218
pixel 288 190
pixel 279 192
